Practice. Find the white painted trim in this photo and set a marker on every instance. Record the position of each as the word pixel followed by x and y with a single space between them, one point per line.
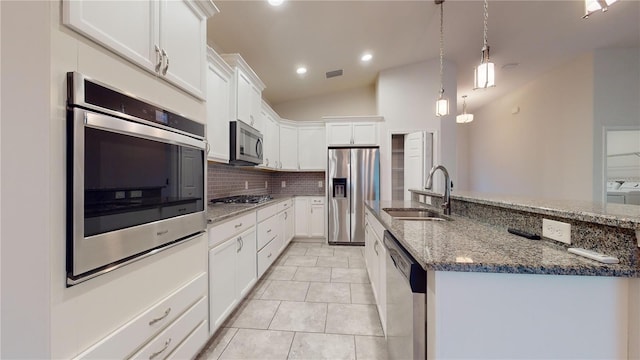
pixel 236 60
pixel 218 62
pixel 354 118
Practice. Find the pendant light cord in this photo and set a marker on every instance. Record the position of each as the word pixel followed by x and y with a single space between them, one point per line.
pixel 486 20
pixel 442 48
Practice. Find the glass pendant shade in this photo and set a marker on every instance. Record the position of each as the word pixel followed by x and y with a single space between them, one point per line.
pixel 464 118
pixel 592 6
pixel 442 107
pixel 485 76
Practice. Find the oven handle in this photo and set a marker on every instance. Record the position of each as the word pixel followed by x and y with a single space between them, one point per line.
pixel 131 128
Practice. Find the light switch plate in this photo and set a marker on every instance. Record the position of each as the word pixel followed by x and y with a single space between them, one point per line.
pixel 556 230
pixel 266 184
pixel 284 184
pixel 246 185
pixel 320 183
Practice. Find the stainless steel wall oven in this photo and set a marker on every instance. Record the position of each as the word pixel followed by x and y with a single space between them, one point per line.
pixel 135 178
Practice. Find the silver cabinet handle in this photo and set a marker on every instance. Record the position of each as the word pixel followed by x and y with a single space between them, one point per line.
pixel 158 59
pixel 375 247
pixel 286 214
pixel 267 162
pixel 268 231
pixel 268 256
pixel 166 345
pixel 166 66
pixel 166 313
pixel 208 147
pixel 238 225
pixel 240 243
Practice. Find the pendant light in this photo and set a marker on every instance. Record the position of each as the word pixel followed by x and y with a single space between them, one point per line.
pixel 591 6
pixel 484 74
pixel 442 104
pixel 464 117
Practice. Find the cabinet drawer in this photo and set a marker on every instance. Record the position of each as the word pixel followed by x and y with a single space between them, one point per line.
pixel 271 210
pixel 130 336
pixel 192 344
pixel 169 339
pixel 317 201
pixel 268 255
pixel 267 230
pixel 377 228
pixel 224 231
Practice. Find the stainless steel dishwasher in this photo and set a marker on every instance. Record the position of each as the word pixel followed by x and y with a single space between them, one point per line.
pixel 406 303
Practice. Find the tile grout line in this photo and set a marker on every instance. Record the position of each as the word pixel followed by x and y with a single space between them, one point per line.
pixel 227 344
pixel 274 314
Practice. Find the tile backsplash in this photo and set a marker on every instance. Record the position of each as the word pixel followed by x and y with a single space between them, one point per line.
pixel 226 180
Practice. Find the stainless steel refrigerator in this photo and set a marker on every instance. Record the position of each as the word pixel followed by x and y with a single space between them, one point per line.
pixel 353 176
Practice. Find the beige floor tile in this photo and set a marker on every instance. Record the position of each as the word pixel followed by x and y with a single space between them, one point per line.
pixel 319 251
pixel 349 275
pixel 318 274
pixel 258 344
pixel 295 250
pixel 286 290
pixel 298 260
pixel 306 243
pixel 362 294
pixel 356 262
pixel 353 319
pixel 308 346
pixel 300 316
pixel 351 251
pixel 279 272
pixel 255 314
pixel 371 348
pixel 259 289
pixel 214 348
pixel 333 261
pixel 329 293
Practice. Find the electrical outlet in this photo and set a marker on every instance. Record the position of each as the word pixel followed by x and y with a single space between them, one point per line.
pixel 284 184
pixel 556 230
pixel 246 185
pixel 266 184
pixel 320 183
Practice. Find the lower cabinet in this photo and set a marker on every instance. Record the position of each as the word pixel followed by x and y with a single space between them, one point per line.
pixel 287 218
pixel 375 259
pixel 274 233
pixel 310 219
pixel 232 273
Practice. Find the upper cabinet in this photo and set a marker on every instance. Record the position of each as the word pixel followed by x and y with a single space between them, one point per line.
pixel 312 149
pixel 246 95
pixel 219 78
pixel 352 130
pixel 289 146
pixel 166 37
pixel 269 126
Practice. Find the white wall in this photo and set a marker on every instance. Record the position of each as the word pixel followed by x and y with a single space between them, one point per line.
pixel 358 101
pixel 616 102
pixel 25 174
pixel 406 98
pixel 545 150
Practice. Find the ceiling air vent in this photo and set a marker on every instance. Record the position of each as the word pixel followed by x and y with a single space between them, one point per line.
pixel 333 73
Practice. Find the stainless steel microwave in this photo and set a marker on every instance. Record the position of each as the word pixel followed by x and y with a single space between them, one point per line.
pixel 245 144
pixel 135 178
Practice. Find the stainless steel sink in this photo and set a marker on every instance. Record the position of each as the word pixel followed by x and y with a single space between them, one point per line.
pixel 415 214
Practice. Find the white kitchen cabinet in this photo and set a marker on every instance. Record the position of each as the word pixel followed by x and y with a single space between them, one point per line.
pixel 352 130
pixel 312 148
pixel 271 138
pixel 272 233
pixel 310 219
pixel 219 77
pixel 375 260
pixel 288 147
pixel 246 94
pixel 165 37
pixel 288 230
pixel 232 267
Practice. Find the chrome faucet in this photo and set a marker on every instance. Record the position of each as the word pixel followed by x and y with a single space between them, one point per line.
pixel 446 205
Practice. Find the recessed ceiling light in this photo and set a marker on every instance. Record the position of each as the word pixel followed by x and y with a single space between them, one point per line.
pixel 301 70
pixel 366 57
pixel 275 2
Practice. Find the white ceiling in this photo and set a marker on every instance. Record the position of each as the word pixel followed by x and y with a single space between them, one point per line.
pixel 328 35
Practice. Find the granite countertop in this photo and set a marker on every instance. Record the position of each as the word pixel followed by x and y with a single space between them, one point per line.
pixel 618 215
pixel 220 212
pixel 466 245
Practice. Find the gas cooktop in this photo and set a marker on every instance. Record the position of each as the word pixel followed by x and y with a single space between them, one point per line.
pixel 242 199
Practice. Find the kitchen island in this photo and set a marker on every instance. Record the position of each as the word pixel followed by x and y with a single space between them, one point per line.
pixel 491 294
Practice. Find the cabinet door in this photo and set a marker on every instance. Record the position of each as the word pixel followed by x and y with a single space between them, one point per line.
pixel 274 135
pixel 183 38
pixel 382 283
pixel 316 226
pixel 222 282
pixel 339 134
pixel 312 149
pixel 302 209
pixel 289 225
pixel 244 101
pixel 246 262
pixel 289 147
pixel 102 22
pixel 218 113
pixel 365 134
pixel 256 105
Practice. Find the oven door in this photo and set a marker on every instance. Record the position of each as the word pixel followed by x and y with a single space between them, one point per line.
pixel 134 189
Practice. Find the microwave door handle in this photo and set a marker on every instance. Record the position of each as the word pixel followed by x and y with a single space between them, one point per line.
pixel 259 148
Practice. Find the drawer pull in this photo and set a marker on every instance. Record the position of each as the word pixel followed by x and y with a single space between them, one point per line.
pixel 286 215
pixel 237 226
pixel 268 256
pixel 268 231
pixel 166 313
pixel 166 345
